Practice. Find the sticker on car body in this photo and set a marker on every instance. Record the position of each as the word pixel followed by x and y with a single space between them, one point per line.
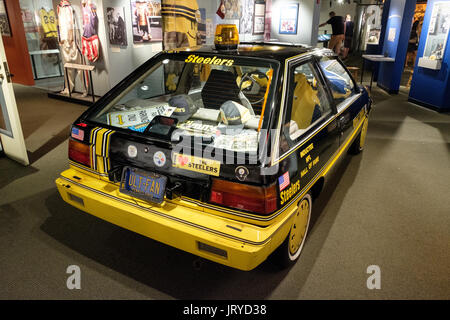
pixel 196 164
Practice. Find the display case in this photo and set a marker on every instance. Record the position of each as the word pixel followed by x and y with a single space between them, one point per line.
pixel 436 36
pixel 371 26
pixel 40 24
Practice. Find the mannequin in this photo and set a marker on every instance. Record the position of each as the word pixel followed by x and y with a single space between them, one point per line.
pixel 69 46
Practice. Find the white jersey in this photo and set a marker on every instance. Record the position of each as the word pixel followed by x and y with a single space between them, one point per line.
pixel 65 19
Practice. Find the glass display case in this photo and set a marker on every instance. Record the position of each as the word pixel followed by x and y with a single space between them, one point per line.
pixel 40 25
pixel 371 26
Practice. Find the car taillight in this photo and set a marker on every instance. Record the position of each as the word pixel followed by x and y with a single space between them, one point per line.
pixel 79 152
pixel 244 197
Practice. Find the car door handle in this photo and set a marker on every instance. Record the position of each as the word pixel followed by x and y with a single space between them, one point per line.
pixel 342 122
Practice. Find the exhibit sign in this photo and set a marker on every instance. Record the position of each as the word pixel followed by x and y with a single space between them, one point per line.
pixel 438 31
pixel 117 31
pixel 259 17
pixel 147 21
pixel 4 21
pixel 289 19
pixel 391 34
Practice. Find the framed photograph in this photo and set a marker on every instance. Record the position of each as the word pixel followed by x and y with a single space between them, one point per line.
pixel 115 17
pixel 289 19
pixel 259 16
pixel 4 21
pixel 258 25
pixel 146 20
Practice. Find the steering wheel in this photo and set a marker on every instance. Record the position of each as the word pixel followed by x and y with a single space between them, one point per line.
pixel 249 76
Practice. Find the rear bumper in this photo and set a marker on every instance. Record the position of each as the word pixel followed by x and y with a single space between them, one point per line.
pixel 235 244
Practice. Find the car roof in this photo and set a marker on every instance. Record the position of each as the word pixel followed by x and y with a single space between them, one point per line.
pixel 272 50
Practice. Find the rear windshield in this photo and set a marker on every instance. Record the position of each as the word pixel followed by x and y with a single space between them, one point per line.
pixel 221 98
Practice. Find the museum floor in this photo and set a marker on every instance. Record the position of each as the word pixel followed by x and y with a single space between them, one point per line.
pixel 388 206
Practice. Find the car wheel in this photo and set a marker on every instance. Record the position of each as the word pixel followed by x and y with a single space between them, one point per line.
pixel 358 144
pixel 289 251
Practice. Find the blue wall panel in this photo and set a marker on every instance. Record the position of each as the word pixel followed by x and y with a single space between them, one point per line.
pixel 399 21
pixel 384 18
pixel 431 87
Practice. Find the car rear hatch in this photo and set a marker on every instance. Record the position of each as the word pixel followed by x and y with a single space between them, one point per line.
pixel 171 129
pixel 153 155
pixel 165 168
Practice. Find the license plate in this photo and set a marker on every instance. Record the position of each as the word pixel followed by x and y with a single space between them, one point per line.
pixel 142 184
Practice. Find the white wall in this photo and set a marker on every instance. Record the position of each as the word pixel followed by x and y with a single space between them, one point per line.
pixel 308 21
pixel 123 60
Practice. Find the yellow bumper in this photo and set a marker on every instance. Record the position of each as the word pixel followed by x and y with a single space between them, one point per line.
pixel 175 223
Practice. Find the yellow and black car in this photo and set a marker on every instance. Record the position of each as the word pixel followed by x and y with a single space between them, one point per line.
pixel 218 152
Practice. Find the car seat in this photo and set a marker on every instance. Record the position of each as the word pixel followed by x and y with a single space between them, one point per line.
pixel 220 87
pixel 305 106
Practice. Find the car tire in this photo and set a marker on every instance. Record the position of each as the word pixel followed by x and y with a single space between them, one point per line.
pixel 358 145
pixel 289 251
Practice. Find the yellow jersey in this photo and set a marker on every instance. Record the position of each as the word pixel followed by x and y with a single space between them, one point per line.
pixel 181 16
pixel 48 22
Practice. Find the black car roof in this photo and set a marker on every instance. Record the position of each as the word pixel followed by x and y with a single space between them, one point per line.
pixel 272 50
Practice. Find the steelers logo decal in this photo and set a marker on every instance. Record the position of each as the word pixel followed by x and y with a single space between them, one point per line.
pixel 159 158
pixel 241 173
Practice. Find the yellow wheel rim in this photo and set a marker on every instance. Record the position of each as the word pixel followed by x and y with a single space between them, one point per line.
pixel 299 227
pixel 362 139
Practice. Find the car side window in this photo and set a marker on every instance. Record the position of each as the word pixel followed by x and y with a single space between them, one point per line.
pixel 308 102
pixel 341 84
